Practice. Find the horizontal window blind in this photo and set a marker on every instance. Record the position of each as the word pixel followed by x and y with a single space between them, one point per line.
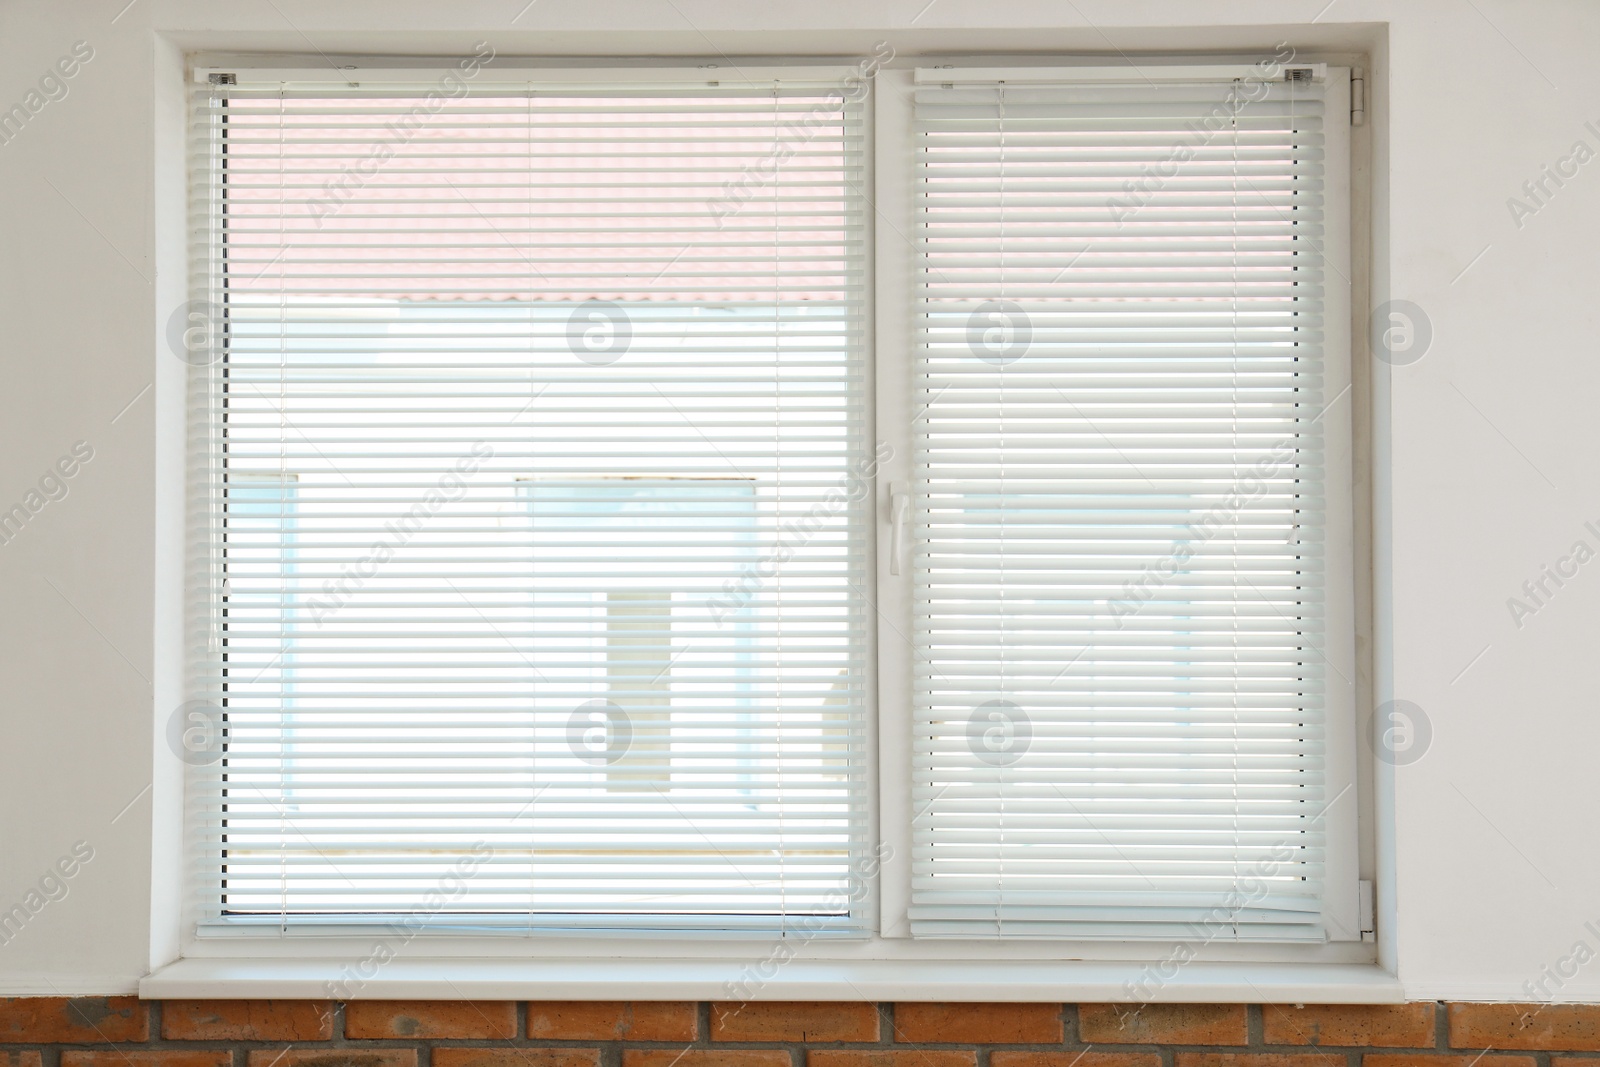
pixel 1118 515
pixel 530 422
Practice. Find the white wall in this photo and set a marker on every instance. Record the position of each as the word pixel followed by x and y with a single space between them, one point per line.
pixel 1487 445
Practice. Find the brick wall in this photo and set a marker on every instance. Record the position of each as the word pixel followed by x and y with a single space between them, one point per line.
pixel 127 1032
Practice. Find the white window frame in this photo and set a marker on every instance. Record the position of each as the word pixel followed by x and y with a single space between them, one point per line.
pixel 889 965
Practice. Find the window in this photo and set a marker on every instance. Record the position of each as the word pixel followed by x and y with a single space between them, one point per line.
pixel 669 502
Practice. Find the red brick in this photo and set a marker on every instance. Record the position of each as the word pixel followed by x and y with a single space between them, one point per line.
pixel 340 1057
pixel 247 1020
pixel 145 1058
pixel 430 1018
pixel 1163 1024
pixel 794 1021
pixel 1435 1059
pixel 1382 1025
pixel 1564 1027
pixel 20 1057
pixel 73 1020
pixel 929 1057
pixel 516 1057
pixel 1017 1058
pixel 709 1057
pixel 1260 1059
pixel 979 1024
pixel 613 1020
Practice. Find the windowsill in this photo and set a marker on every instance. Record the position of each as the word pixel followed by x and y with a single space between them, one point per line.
pixel 588 979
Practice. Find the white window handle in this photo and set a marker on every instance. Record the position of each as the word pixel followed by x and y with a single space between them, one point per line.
pixel 899 509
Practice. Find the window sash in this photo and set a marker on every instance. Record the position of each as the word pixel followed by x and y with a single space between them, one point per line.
pixel 947 802
pixel 571 535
